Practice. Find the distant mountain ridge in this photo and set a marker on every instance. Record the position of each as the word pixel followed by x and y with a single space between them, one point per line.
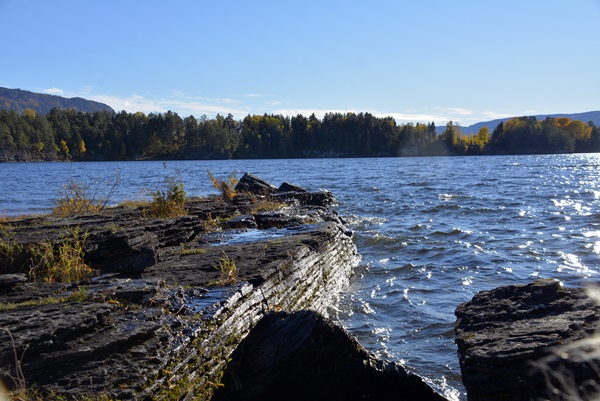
pixel 19 100
pixel 593 116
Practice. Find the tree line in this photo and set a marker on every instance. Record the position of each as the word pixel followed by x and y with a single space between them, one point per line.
pixel 66 134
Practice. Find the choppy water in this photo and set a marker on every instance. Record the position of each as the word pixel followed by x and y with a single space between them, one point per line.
pixel 432 231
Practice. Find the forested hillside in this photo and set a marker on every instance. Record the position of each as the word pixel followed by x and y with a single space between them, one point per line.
pixel 72 135
pixel 593 116
pixel 18 100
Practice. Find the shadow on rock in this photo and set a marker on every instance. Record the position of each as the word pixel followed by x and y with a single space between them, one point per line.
pixel 304 356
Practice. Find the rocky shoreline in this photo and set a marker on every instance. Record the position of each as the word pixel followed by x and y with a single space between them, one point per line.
pixel 157 322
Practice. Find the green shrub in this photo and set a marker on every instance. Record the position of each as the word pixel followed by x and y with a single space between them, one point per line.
pixel 169 202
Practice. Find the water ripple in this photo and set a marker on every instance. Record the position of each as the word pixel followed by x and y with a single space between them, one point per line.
pixel 432 232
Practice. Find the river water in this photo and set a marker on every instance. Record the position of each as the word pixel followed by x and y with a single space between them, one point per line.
pixel 432 231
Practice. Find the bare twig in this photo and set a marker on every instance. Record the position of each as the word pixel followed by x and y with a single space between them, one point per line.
pixel 18 380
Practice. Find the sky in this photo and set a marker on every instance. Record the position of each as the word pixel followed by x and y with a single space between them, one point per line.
pixel 417 61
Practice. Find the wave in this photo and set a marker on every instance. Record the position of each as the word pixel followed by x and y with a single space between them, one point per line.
pixel 449 197
pixel 453 231
pixel 417 227
pixel 361 222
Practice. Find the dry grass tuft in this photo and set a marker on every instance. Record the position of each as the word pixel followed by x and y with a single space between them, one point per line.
pixel 47 261
pixel 227 188
pixel 228 271
pixel 79 198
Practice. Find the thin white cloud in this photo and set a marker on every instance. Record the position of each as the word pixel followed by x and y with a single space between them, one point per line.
pixel 466 117
pixel 54 91
pixel 458 111
pixel 401 118
pixel 404 118
pixel 182 105
pixel 185 105
pixel 490 115
pixel 319 113
pixel 439 116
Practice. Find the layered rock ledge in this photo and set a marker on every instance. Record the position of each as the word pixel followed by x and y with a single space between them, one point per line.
pixel 529 342
pixel 158 321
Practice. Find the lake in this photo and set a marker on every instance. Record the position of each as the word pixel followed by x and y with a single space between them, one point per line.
pixel 432 231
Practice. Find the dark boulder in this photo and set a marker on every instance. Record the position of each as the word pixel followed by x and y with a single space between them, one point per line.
pixel 124 252
pixel 286 193
pixel 287 187
pixel 304 356
pixel 254 185
pixel 321 198
pixel 521 342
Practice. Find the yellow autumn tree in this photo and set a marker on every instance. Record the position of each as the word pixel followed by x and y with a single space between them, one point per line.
pixel 81 147
pixel 580 132
pixel 64 148
pixel 29 113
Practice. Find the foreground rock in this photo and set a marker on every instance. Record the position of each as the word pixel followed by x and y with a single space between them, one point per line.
pixel 529 342
pixel 161 314
pixel 303 356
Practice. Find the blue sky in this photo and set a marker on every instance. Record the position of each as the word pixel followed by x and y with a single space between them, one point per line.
pixel 418 61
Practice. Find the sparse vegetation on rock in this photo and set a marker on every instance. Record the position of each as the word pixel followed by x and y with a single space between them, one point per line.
pixel 168 202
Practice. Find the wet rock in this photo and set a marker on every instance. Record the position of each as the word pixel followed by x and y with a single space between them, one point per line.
pixel 243 221
pixel 277 220
pixel 321 198
pixel 516 342
pixel 254 185
pixel 303 356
